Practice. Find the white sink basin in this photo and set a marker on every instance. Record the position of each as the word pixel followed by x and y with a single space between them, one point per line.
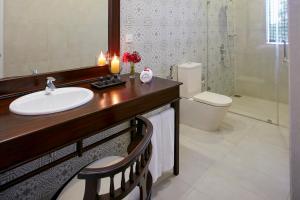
pixel 62 99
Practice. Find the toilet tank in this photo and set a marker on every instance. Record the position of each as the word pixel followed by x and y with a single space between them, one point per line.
pixel 190 74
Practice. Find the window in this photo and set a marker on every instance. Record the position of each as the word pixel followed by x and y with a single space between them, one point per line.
pixel 277 21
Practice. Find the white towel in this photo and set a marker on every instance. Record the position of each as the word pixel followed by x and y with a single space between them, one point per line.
pixel 168 130
pixel 162 142
pixel 155 164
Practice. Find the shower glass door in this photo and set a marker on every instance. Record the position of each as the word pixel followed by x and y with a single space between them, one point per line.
pixel 247 56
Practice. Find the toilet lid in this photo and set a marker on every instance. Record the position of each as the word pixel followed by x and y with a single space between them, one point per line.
pixel 213 99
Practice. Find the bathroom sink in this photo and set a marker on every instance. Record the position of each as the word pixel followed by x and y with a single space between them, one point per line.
pixel 43 103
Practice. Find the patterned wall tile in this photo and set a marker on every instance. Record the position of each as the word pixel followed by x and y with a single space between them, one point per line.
pixel 220 76
pixel 165 32
pixel 174 32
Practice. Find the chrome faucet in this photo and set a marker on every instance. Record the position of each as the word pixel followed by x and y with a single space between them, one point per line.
pixel 50 87
pixel 34 71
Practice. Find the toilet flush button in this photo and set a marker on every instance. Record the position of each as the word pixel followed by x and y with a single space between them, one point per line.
pixel 129 38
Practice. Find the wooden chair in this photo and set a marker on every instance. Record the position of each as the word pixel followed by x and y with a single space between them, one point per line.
pixel 116 177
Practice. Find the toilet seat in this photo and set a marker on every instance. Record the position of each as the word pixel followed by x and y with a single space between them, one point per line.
pixel 213 99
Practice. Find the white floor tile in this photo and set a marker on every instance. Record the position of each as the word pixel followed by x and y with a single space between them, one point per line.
pixel 252 180
pixel 245 160
pixel 211 145
pixel 194 194
pixel 216 185
pixel 170 188
pixel 270 134
pixel 193 165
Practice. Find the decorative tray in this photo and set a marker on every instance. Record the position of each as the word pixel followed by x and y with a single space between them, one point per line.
pixel 108 81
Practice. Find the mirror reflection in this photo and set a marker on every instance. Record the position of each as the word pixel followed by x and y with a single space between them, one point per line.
pixel 52 35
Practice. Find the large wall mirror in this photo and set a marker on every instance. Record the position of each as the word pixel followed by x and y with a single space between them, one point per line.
pixel 42 36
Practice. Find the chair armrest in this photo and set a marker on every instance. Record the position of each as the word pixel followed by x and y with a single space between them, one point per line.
pixel 98 173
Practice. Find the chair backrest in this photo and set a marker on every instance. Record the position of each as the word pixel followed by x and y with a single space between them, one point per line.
pixel 136 162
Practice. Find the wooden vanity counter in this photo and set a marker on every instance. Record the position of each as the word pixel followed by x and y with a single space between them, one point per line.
pixel 25 138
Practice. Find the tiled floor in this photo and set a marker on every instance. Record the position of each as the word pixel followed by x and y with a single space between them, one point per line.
pixel 245 160
pixel 261 109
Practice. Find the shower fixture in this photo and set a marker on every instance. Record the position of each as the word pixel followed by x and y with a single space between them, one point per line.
pixel 285 52
pixel 171 73
pixel 232 35
pixel 222 53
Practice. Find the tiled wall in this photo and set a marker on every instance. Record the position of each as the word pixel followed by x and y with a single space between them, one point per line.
pixel 250 67
pixel 174 32
pixel 220 25
pixel 165 32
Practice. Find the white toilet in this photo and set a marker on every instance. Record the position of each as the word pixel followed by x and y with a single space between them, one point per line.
pixel 202 110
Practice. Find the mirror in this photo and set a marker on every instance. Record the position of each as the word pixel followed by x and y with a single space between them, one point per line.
pixel 52 35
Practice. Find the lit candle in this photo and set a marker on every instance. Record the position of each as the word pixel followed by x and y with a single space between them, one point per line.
pixel 115 65
pixel 101 60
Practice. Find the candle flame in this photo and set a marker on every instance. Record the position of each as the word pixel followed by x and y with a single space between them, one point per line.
pixel 115 65
pixel 101 59
pixel 116 57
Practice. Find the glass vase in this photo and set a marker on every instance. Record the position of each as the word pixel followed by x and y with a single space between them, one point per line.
pixel 132 71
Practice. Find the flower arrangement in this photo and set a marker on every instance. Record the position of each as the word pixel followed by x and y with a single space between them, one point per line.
pixel 132 58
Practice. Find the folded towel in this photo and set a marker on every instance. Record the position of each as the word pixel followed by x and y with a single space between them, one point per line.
pixel 155 163
pixel 168 130
pixel 162 142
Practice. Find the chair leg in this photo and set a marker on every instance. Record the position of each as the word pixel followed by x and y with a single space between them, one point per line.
pixel 149 185
pixel 146 186
pixel 91 187
pixel 143 188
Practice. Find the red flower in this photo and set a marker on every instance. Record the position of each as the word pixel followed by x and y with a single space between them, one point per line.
pixel 125 58
pixel 132 58
pixel 136 58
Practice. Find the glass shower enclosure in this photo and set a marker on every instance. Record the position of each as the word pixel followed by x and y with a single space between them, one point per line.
pixel 247 56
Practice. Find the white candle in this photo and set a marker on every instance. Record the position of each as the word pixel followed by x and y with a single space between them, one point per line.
pixel 115 65
pixel 101 60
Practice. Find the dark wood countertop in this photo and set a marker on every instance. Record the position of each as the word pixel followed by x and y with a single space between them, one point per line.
pixel 24 138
